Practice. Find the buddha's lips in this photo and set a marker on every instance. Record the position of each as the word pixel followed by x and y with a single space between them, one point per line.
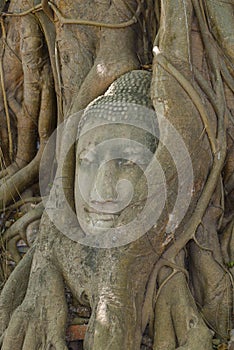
pixel 93 211
pixel 99 219
pixel 103 216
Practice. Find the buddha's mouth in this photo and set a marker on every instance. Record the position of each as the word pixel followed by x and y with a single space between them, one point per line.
pixel 105 208
pixel 101 220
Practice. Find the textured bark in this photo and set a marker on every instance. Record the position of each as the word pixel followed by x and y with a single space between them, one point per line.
pixel 175 286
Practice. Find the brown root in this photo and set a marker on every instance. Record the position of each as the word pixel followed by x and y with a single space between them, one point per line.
pixel 221 26
pixel 4 147
pixel 39 321
pixel 14 290
pixel 12 249
pixel 10 189
pixel 109 64
pixel 20 226
pixel 14 185
pixel 32 232
pixel 211 282
pixel 227 248
pixel 33 105
pixel 34 313
pixel 178 323
pixel 212 288
pixel 22 202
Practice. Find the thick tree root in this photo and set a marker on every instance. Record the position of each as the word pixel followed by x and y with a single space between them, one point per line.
pixel 20 226
pixel 32 103
pixel 213 292
pixel 21 229
pixel 14 290
pixel 178 324
pixel 211 280
pixel 115 281
pixel 227 247
pixel 4 149
pixel 22 202
pixel 39 322
pixel 221 25
pixel 113 323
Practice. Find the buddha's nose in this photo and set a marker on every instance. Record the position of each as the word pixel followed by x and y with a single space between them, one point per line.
pixel 104 187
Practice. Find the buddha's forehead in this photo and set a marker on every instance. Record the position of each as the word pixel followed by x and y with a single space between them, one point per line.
pixel 113 131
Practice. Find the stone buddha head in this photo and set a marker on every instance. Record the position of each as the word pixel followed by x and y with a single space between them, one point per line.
pixel 117 140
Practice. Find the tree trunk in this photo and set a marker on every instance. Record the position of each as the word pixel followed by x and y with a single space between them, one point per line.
pixel 81 80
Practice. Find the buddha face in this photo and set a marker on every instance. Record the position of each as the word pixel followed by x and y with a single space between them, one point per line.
pixel 111 160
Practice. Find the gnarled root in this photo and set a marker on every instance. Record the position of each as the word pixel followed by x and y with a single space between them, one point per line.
pixel 212 288
pixel 116 298
pixel 113 322
pixel 39 322
pixel 227 246
pixel 109 64
pixel 14 290
pixel 211 280
pixel 35 111
pixel 178 324
pixel 20 226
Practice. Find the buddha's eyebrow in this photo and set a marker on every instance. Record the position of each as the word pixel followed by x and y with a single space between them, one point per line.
pixel 90 148
pixel 133 150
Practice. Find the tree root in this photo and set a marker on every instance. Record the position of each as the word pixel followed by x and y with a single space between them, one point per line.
pixel 35 110
pixel 109 65
pixel 64 20
pixel 221 26
pixel 109 326
pixel 227 248
pixel 32 200
pixel 14 290
pixel 8 121
pixel 20 226
pixel 41 318
pixel 12 249
pixel 14 185
pixel 32 231
pixel 210 278
pixel 178 323
pixel 212 289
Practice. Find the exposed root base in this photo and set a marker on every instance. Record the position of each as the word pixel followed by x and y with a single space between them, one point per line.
pixel 178 324
pixel 39 321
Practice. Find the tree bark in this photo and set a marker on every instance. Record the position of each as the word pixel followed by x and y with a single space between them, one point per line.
pixel 174 284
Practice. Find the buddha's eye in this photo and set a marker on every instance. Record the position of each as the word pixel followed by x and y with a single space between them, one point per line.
pixel 124 162
pixel 88 160
pixel 84 161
